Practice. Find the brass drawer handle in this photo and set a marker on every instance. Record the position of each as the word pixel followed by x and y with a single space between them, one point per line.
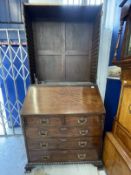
pixel 44 121
pixel 63 129
pixel 82 144
pixel 63 140
pixel 81 156
pixel 43 133
pixel 129 108
pixel 82 121
pixel 44 145
pixel 46 157
pixel 65 152
pixel 83 132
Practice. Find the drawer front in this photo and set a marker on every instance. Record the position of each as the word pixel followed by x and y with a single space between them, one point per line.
pixel 82 120
pixel 61 156
pixel 42 121
pixel 63 132
pixel 67 120
pixel 64 143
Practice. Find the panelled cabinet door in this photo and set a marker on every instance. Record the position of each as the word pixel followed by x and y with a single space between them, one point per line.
pixel 62 53
pixel 124 114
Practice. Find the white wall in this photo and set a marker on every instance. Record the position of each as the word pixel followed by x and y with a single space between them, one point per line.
pixel 46 1
pixel 105 43
pixel 67 1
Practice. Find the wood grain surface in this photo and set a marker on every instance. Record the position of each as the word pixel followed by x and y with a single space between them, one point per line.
pixel 66 155
pixel 62 143
pixel 63 120
pixel 124 110
pixel 115 158
pixel 123 137
pixel 62 100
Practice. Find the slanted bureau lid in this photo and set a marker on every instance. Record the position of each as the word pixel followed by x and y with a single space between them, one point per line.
pixel 62 100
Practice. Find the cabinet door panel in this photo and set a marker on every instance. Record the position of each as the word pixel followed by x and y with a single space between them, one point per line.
pixel 49 49
pixel 62 50
pixel 78 45
pixel 125 108
pixel 77 68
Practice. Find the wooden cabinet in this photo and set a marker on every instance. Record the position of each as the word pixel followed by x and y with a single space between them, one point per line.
pixel 117 148
pixel 116 160
pixel 63 42
pixel 63 114
pixel 123 137
pixel 63 124
pixel 124 111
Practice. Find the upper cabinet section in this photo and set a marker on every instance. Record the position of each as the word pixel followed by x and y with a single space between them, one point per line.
pixel 63 42
pixel 62 12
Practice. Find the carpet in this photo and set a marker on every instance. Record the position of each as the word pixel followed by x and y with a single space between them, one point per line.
pixel 73 169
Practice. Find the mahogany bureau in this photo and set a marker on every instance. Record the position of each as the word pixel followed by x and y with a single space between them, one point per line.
pixel 63 124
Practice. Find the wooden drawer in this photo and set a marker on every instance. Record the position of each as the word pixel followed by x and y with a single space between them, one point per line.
pixel 62 156
pixel 63 132
pixel 69 120
pixel 82 120
pixel 124 137
pixel 42 121
pixel 64 143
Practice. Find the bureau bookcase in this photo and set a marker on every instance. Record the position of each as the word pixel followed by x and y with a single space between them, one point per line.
pixel 63 113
